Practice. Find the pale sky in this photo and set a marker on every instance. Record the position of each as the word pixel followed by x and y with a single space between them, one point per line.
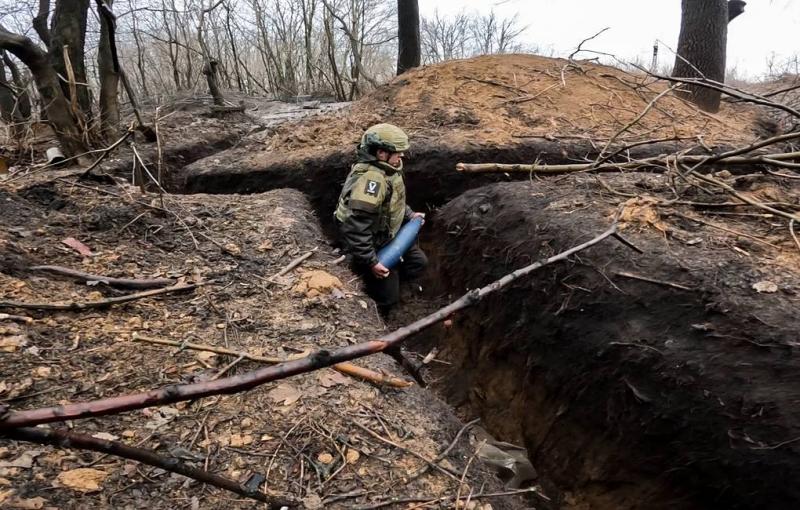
pixel 767 27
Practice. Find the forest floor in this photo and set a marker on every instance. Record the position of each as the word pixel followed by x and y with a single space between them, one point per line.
pixel 325 439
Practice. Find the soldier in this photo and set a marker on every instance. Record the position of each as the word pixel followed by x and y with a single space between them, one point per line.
pixel 372 208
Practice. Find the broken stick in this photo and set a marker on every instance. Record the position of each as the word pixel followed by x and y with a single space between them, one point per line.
pixel 66 439
pixel 85 305
pixel 125 283
pixel 248 380
pixel 293 264
pixel 345 368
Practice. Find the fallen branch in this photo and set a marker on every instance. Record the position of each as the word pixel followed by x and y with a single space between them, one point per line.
pixel 794 236
pixel 65 439
pixel 16 318
pixel 249 380
pixel 125 283
pixel 743 198
pixel 73 305
pixel 770 159
pixel 345 368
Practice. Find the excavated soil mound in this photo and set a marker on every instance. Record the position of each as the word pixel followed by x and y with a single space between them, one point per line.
pixel 667 379
pixel 500 99
pixel 502 108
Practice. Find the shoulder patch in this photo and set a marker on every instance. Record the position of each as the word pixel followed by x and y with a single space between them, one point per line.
pixel 371 187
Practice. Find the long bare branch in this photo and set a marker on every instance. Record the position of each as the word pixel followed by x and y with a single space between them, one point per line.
pixel 249 380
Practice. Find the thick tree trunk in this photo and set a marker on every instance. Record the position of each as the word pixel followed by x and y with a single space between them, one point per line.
pixel 701 49
pixel 56 105
pixel 408 41
pixel 69 29
pixel 109 80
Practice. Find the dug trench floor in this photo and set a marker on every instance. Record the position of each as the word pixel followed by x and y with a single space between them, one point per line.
pixel 654 380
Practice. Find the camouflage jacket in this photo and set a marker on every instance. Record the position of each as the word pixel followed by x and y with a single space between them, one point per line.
pixel 371 209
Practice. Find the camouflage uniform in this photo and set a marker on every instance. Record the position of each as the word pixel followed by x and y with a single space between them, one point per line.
pixel 372 208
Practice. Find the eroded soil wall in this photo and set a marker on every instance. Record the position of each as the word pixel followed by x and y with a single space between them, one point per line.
pixel 627 393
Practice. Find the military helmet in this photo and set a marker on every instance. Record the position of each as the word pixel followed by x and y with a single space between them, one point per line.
pixel 384 136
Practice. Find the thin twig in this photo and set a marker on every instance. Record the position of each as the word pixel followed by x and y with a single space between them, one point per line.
pixel 728 230
pixel 464 476
pixel 293 264
pixel 66 439
pixel 794 236
pixel 437 467
pixel 652 280
pixel 424 469
pixel 74 305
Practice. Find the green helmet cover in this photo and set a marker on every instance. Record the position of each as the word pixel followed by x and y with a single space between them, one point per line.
pixel 385 136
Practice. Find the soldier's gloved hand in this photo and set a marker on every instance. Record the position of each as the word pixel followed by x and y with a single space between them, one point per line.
pixel 418 215
pixel 380 271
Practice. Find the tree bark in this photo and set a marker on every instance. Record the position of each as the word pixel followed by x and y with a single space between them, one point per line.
pixel 69 29
pixel 210 70
pixel 23 97
pixel 56 105
pixel 40 22
pixel 408 41
pixel 701 49
pixel 109 79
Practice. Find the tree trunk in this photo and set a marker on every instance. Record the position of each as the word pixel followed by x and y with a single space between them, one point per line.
pixel 40 22
pixel 701 49
pixel 23 97
pixel 210 70
pixel 408 41
pixel 69 29
pixel 229 30
pixel 56 105
pixel 109 80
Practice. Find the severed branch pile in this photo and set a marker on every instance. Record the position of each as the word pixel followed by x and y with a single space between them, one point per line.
pixel 21 425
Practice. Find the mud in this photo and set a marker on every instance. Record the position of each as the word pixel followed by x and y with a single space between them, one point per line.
pixel 627 393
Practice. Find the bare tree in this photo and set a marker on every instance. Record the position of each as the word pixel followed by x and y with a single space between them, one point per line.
pixel 47 83
pixel 409 51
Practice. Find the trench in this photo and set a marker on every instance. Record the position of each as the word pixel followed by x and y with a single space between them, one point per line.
pixel 621 399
